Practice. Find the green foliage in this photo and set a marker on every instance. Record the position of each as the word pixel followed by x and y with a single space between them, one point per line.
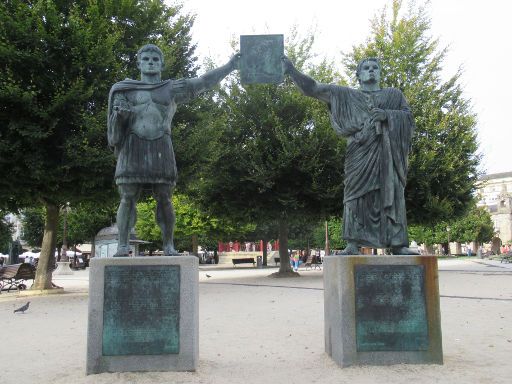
pixel 475 226
pixel 83 223
pixel 273 153
pixel 443 161
pixel 6 230
pixel 59 60
pixel 32 220
pixel 86 219
pixel 190 220
pixel 424 234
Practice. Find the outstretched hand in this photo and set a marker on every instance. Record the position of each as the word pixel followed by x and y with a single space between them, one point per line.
pixel 287 64
pixel 234 62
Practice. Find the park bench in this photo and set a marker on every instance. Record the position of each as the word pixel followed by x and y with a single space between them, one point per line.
pixel 312 260
pixel 244 260
pixel 507 257
pixel 14 276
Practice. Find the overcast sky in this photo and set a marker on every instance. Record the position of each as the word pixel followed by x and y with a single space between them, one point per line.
pixel 476 32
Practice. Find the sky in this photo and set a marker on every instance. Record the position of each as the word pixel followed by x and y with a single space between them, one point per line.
pixel 475 32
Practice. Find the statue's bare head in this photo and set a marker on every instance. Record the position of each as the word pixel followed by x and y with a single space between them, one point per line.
pixel 368 70
pixel 150 59
pixel 150 48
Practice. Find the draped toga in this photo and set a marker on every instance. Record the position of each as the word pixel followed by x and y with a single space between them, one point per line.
pixel 374 212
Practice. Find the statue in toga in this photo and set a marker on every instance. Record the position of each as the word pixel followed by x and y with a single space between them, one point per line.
pixel 378 125
pixel 139 124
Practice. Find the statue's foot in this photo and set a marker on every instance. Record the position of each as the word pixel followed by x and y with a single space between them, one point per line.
pixel 351 249
pixel 123 251
pixel 403 251
pixel 170 251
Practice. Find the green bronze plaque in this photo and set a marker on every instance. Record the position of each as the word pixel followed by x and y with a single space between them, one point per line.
pixel 141 310
pixel 390 308
pixel 260 58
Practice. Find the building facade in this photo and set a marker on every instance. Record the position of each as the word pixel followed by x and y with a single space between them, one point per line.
pixel 495 193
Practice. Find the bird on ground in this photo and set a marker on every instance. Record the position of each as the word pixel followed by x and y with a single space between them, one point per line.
pixel 23 308
pixel 208 276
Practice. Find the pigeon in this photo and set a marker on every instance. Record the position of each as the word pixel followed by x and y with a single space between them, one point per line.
pixel 23 308
pixel 208 276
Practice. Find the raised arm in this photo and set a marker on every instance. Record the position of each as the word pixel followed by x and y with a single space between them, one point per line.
pixel 214 76
pixel 306 84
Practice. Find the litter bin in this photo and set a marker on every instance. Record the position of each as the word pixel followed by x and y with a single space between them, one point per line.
pixel 259 261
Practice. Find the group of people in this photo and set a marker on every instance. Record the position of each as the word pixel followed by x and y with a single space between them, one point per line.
pixel 299 257
pixel 505 249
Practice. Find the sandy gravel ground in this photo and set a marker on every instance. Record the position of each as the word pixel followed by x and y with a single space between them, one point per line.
pixel 257 329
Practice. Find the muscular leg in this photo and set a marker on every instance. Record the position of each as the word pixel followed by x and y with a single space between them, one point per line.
pixel 126 216
pixel 165 216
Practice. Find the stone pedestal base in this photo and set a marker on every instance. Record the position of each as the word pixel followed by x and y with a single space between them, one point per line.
pixel 63 268
pixel 143 314
pixel 382 310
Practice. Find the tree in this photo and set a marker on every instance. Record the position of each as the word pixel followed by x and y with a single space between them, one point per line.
pixel 273 156
pixel 32 220
pixel 5 233
pixel 475 226
pixel 59 59
pixel 86 219
pixel 443 161
pixel 193 226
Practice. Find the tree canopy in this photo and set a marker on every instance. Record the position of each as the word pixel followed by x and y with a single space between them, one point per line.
pixel 273 156
pixel 59 60
pixel 475 226
pixel 5 233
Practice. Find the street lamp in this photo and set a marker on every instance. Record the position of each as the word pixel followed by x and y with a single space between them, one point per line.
pixel 63 267
pixel 448 230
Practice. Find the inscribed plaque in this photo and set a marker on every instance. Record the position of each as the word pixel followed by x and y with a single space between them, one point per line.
pixel 260 58
pixel 141 310
pixel 390 308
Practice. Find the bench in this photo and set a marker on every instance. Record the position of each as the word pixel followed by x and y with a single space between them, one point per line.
pixel 507 258
pixel 312 260
pixel 277 260
pixel 245 260
pixel 13 276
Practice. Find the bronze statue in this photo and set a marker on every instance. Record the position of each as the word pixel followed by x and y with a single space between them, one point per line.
pixel 140 117
pixel 378 125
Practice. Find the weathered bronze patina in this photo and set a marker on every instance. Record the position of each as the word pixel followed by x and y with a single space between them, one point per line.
pixel 141 310
pixel 378 126
pixel 390 308
pixel 140 115
pixel 260 60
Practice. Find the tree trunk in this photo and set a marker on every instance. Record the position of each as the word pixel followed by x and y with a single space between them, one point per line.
pixel 429 249
pixel 195 245
pixel 284 267
pixel 43 279
pixel 265 253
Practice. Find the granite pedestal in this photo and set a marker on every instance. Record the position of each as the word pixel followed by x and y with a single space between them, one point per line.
pixel 382 310
pixel 143 314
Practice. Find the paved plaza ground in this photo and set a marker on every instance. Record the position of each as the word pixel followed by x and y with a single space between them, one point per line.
pixel 258 329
